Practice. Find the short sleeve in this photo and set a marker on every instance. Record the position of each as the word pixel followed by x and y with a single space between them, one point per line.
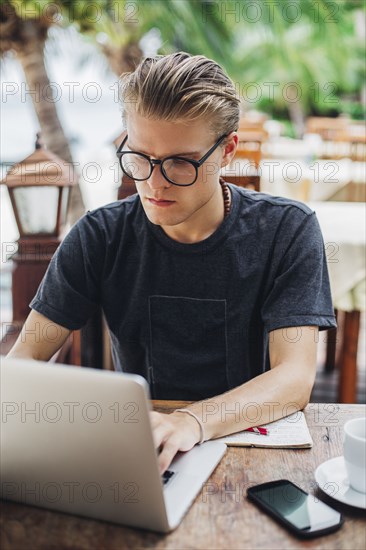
pixel 300 294
pixel 69 292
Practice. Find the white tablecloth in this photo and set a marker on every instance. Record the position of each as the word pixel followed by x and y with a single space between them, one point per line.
pixel 343 225
pixel 302 180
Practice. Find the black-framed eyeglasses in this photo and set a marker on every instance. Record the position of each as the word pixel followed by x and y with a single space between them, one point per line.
pixel 176 170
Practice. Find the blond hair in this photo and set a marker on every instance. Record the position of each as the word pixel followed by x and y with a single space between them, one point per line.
pixel 180 87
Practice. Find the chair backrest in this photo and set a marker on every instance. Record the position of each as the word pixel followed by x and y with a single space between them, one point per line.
pixel 249 149
pixel 326 127
pixel 249 122
pixel 342 138
pixel 352 141
pixel 250 146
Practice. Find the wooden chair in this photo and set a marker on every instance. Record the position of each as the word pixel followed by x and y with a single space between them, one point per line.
pixel 352 142
pixel 326 127
pixel 249 182
pixel 250 146
pixel 341 353
pixel 252 122
pixel 249 149
pixel 329 130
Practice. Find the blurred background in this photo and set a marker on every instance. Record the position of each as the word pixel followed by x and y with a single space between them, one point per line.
pixel 299 69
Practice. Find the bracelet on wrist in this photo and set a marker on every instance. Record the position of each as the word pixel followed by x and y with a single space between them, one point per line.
pixel 202 431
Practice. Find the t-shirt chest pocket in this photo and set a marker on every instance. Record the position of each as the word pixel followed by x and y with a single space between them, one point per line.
pixel 188 347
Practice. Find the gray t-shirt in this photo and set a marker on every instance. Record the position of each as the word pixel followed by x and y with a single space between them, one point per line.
pixel 193 319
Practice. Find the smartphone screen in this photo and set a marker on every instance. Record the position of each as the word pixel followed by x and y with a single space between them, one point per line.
pixel 305 513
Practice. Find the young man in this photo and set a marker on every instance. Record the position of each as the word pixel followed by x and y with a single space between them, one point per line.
pixel 211 292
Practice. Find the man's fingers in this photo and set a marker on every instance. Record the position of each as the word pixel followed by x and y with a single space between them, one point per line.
pixel 169 451
pixel 160 434
pixel 172 433
pixel 161 430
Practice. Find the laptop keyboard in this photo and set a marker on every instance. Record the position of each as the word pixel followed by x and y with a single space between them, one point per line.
pixel 167 475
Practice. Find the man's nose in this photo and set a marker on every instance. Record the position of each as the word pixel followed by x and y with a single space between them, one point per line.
pixel 156 179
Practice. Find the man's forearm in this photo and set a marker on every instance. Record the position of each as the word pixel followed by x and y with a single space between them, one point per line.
pixel 40 338
pixel 270 396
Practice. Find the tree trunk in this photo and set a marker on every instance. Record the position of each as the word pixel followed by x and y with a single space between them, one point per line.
pixel 296 112
pixel 31 58
pixel 123 59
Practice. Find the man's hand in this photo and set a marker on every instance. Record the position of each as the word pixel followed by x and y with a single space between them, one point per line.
pixel 172 433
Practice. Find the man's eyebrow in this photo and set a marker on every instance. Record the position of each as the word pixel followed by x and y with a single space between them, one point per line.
pixel 191 153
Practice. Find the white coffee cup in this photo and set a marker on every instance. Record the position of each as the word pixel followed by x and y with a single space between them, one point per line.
pixel 354 449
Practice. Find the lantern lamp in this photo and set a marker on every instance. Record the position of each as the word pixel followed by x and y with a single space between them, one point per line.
pixel 39 189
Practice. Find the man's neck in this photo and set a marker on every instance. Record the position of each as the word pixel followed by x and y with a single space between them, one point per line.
pixel 202 224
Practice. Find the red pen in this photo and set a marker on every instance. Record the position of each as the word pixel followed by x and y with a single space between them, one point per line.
pixel 259 431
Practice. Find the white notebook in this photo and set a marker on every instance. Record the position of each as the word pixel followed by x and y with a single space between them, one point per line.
pixel 289 432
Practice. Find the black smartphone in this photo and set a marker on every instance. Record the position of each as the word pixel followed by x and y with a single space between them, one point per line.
pixel 303 514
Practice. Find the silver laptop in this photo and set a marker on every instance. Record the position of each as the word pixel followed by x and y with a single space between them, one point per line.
pixel 79 440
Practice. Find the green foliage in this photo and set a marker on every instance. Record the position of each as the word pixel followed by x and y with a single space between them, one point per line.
pixel 312 43
pixel 353 108
pixel 320 52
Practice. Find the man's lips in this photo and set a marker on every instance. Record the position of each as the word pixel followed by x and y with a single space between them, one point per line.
pixel 160 202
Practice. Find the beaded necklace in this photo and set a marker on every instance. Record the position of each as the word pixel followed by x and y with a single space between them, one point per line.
pixel 226 195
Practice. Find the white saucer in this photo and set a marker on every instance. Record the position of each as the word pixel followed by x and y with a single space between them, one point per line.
pixel 331 477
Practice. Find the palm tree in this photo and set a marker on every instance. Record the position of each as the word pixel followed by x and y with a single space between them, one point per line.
pixel 302 54
pixel 25 36
pixel 117 27
pixel 312 59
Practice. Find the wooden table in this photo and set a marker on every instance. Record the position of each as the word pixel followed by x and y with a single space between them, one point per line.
pixel 222 517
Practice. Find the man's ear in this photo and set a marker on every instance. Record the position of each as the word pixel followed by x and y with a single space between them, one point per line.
pixel 229 149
